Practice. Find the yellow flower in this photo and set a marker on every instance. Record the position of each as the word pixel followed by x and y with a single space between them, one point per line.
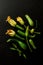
pixel 10 32
pixel 32 30
pixel 11 21
pixel 20 20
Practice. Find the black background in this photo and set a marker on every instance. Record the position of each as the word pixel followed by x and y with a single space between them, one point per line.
pixel 14 8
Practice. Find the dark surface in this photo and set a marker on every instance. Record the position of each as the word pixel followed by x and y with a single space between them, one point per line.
pixel 14 8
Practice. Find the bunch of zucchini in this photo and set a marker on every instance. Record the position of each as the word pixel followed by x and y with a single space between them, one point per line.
pixel 23 36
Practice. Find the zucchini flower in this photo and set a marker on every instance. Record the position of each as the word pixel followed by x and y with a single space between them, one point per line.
pixel 20 20
pixel 13 23
pixel 10 32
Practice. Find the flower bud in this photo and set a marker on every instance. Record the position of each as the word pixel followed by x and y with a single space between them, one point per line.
pixel 32 30
pixel 10 32
pixel 11 21
pixel 20 20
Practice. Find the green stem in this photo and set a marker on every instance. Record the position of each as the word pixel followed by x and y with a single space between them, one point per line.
pixel 28 44
pixel 14 46
pixel 32 36
pixel 19 37
pixel 25 26
pixel 37 32
pixel 24 56
pixel 19 52
pixel 21 28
